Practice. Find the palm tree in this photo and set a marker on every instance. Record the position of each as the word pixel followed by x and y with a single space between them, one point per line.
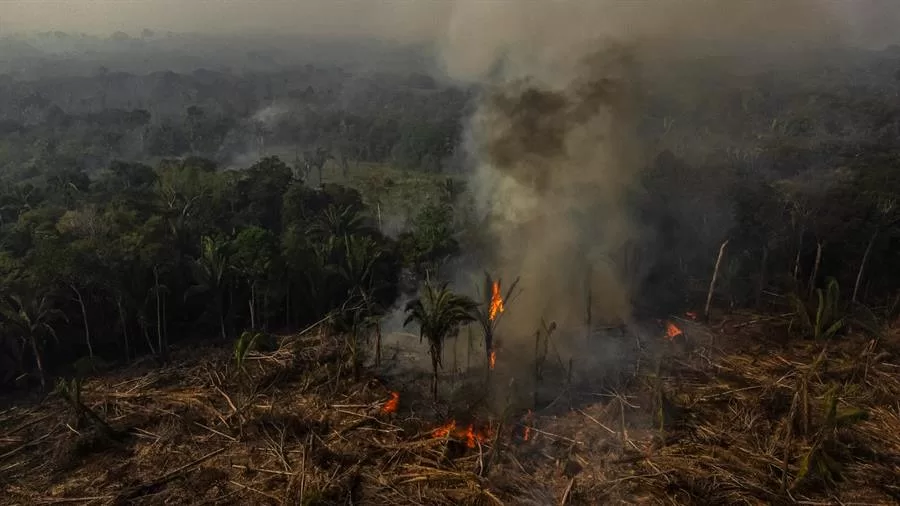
pixel 211 275
pixel 316 159
pixel 439 313
pixel 356 270
pixel 338 222
pixel 360 255
pixel 31 317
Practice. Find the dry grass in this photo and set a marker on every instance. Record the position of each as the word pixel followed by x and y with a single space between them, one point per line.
pixel 297 430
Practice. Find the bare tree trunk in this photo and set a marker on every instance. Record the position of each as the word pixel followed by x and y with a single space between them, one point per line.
pixel 38 362
pixel 84 318
pixel 762 277
pixel 797 259
pixel 221 311
pixel 124 328
pixel 252 304
pixel 165 320
pixel 287 306
pixel 377 345
pixel 147 337
pixel 434 376
pixel 265 309
pixel 230 314
pixel 160 340
pixel 537 369
pixel 712 282
pixel 588 303
pixel 862 264
pixel 354 352
pixel 815 271
pixel 469 340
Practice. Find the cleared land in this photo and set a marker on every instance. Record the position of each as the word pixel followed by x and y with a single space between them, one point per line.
pixel 714 423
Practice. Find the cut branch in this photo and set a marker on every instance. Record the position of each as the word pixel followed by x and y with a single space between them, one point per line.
pixel 712 283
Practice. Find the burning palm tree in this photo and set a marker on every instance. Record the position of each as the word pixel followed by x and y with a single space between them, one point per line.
pixel 488 313
pixel 439 313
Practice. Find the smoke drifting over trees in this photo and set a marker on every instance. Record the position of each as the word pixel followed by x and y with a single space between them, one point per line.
pixel 556 137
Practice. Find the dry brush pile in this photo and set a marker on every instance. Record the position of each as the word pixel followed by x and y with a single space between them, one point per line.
pixel 715 416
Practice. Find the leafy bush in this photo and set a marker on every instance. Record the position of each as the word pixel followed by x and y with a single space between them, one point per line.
pixel 824 319
pixel 822 459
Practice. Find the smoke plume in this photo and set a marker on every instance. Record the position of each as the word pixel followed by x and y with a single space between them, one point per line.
pixel 554 138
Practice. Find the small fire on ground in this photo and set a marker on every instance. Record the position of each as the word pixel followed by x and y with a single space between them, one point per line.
pixel 391 405
pixel 672 331
pixel 469 434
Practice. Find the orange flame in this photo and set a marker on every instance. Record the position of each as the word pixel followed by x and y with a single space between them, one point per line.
pixel 473 435
pixel 496 302
pixel 526 435
pixel 444 430
pixel 468 434
pixel 391 405
pixel 672 331
pixel 493 359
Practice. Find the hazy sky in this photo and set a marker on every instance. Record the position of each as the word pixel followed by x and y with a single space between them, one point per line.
pixel 390 18
pixel 873 20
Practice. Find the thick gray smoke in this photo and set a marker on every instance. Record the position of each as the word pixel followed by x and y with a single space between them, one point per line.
pixel 554 138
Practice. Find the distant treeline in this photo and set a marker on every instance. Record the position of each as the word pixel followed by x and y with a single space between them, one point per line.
pixel 411 121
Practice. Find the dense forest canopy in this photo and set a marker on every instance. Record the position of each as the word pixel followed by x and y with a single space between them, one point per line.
pixel 147 198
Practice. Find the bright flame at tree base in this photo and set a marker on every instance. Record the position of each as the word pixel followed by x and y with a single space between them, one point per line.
pixel 493 359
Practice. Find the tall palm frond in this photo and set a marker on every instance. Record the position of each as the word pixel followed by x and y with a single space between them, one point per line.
pixel 360 255
pixel 482 312
pixel 211 272
pixel 338 221
pixel 31 317
pixel 439 313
